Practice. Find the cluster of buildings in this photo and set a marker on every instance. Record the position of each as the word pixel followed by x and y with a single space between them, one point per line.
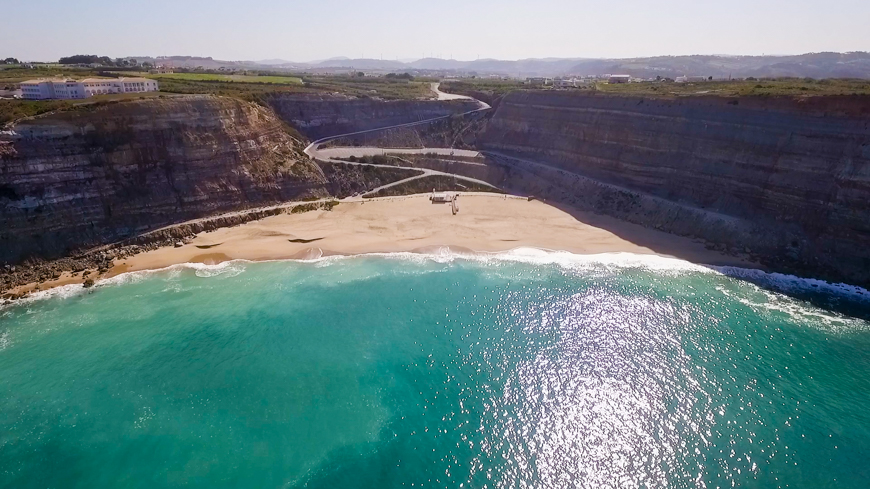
pixel 165 70
pixel 557 82
pixel 44 89
pixel 577 82
pixel 692 79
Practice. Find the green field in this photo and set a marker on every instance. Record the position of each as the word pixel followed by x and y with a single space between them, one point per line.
pixel 12 75
pixel 250 87
pixel 381 87
pixel 216 77
pixel 801 87
pixel 486 85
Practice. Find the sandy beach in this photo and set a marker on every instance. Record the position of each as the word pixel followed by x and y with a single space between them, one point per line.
pixel 485 223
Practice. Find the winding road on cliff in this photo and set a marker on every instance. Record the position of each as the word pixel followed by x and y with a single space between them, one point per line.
pixel 335 154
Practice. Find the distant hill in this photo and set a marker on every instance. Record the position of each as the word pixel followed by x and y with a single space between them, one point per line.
pixel 815 65
pixel 361 64
pixel 274 62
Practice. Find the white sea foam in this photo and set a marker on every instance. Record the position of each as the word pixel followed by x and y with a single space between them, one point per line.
pixel 778 300
pixel 792 283
pixel 62 292
pixel 533 256
pixel 228 269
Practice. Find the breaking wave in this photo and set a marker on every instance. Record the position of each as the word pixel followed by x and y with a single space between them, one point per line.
pixel 601 263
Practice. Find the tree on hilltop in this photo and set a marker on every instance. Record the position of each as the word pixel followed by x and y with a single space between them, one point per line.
pixel 85 59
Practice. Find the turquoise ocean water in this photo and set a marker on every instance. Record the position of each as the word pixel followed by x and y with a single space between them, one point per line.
pixel 528 371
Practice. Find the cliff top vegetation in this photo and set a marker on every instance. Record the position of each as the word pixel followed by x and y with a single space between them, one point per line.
pixel 219 77
pixel 486 85
pixel 14 110
pixel 246 85
pixel 750 87
pixel 743 88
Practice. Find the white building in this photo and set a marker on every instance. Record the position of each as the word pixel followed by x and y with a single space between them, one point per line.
pixel 72 89
pixel 619 79
pixel 690 79
pixel 101 86
pixel 569 82
pixel 49 89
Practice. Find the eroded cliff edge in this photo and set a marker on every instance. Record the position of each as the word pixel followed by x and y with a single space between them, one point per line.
pixel 100 174
pixel 787 180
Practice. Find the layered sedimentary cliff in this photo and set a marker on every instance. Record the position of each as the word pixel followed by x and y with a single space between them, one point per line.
pixel 322 116
pixel 103 173
pixel 785 179
pixel 346 179
pixel 459 131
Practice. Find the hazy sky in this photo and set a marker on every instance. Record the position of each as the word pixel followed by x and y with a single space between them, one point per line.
pixel 303 30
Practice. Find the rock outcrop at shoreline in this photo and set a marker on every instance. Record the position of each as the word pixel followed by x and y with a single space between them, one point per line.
pixel 787 180
pixel 100 174
pixel 101 259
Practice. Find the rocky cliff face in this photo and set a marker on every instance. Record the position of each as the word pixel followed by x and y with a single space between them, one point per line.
pixel 459 131
pixel 787 180
pixel 321 116
pixel 102 173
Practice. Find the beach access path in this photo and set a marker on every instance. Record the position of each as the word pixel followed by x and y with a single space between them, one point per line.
pixel 340 154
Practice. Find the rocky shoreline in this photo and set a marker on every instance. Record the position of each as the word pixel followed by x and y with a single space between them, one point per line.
pixel 96 262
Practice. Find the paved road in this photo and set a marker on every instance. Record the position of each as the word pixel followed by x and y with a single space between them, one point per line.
pixel 348 151
pixel 313 148
pixel 448 96
pixel 426 173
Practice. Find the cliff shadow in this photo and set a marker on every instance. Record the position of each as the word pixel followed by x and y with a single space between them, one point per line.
pixel 847 300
